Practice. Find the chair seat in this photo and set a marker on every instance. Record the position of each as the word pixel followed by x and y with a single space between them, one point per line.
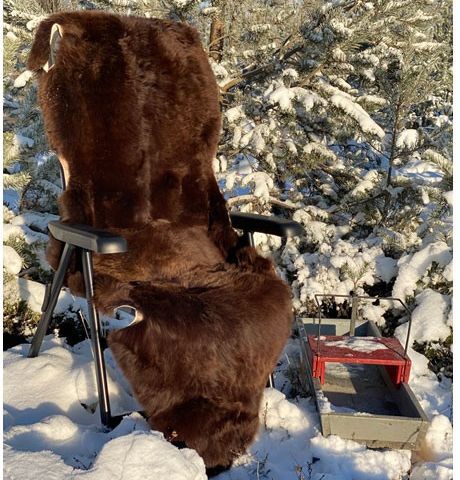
pixel 363 350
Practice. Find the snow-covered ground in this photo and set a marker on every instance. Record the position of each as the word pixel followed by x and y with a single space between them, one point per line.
pixel 51 432
pixel 51 422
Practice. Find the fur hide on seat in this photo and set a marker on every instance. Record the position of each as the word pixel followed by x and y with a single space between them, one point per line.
pixel 131 108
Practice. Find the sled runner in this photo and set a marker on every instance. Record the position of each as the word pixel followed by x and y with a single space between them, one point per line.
pixel 359 379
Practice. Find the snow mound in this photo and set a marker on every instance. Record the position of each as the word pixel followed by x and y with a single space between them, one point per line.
pixel 12 261
pixel 27 465
pixel 51 432
pixel 412 267
pixel 349 460
pixel 429 319
pixel 136 455
pixel 59 382
pixel 145 455
pixel 438 442
pixel 437 447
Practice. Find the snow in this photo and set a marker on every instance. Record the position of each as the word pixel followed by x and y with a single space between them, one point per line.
pixel 22 79
pixel 41 465
pixel 438 443
pixel 22 141
pixel 449 196
pixel 11 36
pixel 234 114
pixel 429 318
pixel 385 268
pixel 341 83
pixel 49 187
pixel 291 73
pixel 367 183
pixel 259 28
pixel 369 74
pixel 136 454
pixel 407 139
pixel 208 10
pixel 431 471
pixel 145 455
pixel 348 460
pixel 32 24
pixel 412 267
pixel 420 171
pixel 367 345
pixel 314 147
pixel 357 113
pixel 307 98
pixel 263 184
pixel 448 272
pixel 338 54
pixel 325 406
pixel 372 100
pixel 283 96
pixel 373 313
pixel 12 261
pixel 338 266
pixel 429 46
pixel 49 434
pixel 245 165
pixel 34 292
pixel 35 220
pixel 29 235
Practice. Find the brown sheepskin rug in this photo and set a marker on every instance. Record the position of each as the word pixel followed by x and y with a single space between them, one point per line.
pixel 131 108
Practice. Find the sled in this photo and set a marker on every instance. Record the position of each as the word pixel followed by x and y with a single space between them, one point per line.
pixel 359 380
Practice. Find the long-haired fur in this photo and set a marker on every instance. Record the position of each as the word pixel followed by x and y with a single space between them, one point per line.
pixel 131 108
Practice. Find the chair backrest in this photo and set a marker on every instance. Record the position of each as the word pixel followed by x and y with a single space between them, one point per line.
pixel 131 108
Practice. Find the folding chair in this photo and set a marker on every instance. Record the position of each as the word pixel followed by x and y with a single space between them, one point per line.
pixel 131 107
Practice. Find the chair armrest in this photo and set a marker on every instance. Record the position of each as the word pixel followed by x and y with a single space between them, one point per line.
pixel 252 222
pixel 89 238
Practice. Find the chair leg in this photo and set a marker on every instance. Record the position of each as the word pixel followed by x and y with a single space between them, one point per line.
pixel 50 300
pixel 271 381
pixel 101 375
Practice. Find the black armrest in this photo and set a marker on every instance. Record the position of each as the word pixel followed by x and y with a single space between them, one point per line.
pixel 251 222
pixel 89 238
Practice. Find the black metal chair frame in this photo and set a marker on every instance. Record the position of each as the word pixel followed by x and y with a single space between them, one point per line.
pixel 84 241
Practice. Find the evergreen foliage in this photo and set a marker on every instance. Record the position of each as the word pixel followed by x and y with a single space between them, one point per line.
pixel 336 113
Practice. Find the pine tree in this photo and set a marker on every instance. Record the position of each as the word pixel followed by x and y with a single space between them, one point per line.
pixel 335 113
